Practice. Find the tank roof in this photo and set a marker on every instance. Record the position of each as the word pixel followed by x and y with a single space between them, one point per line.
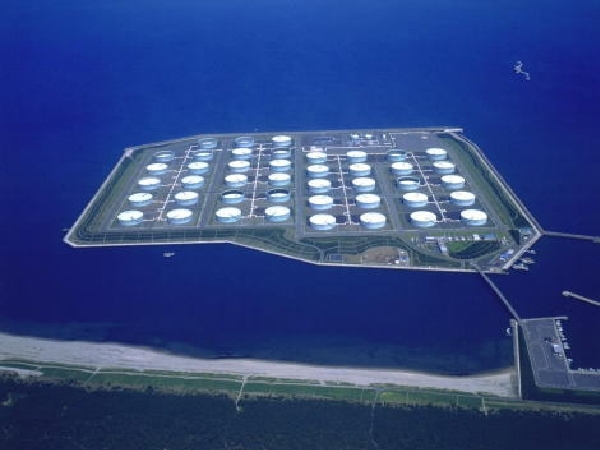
pixel 320 182
pixel 186 195
pixel 198 165
pixel 317 168
pixel 279 176
pixel 356 154
pixel 148 180
pixel 364 181
pixel 422 216
pixel 322 219
pixel 320 199
pixel 157 166
pixel 435 151
pixel 443 164
pixel 415 196
pixel 130 215
pixel 367 198
pixel 236 177
pixel 179 213
pixel 192 179
pixel 452 179
pixel 402 165
pixel 473 214
pixel 229 212
pixel 360 166
pixel 370 217
pixel 140 196
pixel 462 195
pixel 277 211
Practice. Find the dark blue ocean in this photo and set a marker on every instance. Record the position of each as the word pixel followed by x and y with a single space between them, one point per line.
pixel 81 80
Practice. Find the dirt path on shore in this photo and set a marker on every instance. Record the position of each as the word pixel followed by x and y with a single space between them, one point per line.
pixel 110 355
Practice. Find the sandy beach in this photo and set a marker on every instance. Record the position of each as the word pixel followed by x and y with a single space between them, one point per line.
pixel 112 355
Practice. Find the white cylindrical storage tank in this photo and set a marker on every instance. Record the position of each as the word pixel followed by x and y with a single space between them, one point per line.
pixel 232 197
pixel 204 155
pixel 186 198
pixel 408 183
pixel 279 179
pixel 396 155
pixel 319 186
pixel 462 198
pixel 244 142
pixel 453 182
pixel 198 167
pixel 157 168
pixel 280 165
pixel 236 180
pixel 360 170
pixel 241 153
pixel 316 157
pixel 402 168
pixel 320 202
pixel 317 171
pixel 372 220
pixel 322 222
pixel 282 141
pixel 277 213
pixel 436 154
pixel 443 167
pixel 368 201
pixel 149 183
pixel 208 143
pixel 415 199
pixel 140 199
pixel 164 156
pixel 228 215
pixel 363 184
pixel 356 156
pixel 473 217
pixel 179 216
pixel 422 219
pixel 130 218
pixel 239 166
pixel 281 153
pixel 278 195
pixel 192 182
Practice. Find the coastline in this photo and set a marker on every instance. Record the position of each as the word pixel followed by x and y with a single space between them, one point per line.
pixel 117 356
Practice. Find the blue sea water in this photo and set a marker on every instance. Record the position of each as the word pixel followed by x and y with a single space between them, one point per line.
pixel 81 80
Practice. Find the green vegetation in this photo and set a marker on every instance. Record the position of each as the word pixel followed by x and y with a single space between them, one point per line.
pixel 471 250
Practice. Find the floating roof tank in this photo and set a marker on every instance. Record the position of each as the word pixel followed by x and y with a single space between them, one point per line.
pixel 473 217
pixel 236 180
pixel 192 182
pixel 140 199
pixel 415 199
pixel 278 195
pixel 198 167
pixel 368 201
pixel 422 219
pixel 228 215
pixel 281 153
pixel 164 156
pixel 363 184
pixel 179 216
pixel 320 202
pixel 130 218
pixel 204 155
pixel 372 220
pixel 239 166
pixel 281 141
pixel 462 198
pixel 402 168
pixel 232 197
pixel 453 182
pixel 317 171
pixel 280 165
pixel 186 198
pixel 277 213
pixel 322 222
pixel 244 142
pixel 436 154
pixel 149 183
pixel 316 157
pixel 279 179
pixel 356 156
pixel 360 170
pixel 396 155
pixel 208 143
pixel 241 153
pixel 157 168
pixel 319 186
pixel 443 167
pixel 408 183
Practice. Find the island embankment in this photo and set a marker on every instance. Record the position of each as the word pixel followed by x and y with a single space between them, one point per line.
pixel 119 356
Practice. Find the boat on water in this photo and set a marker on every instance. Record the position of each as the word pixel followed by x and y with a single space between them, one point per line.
pixel 527 260
pixel 530 251
pixel 520 266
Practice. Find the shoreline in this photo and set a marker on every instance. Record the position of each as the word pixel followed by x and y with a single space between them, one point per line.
pixel 118 356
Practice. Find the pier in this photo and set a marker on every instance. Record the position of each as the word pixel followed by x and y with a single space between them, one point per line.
pixel 499 293
pixel 581 297
pixel 594 239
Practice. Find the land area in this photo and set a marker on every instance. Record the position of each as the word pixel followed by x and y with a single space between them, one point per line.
pixel 447 244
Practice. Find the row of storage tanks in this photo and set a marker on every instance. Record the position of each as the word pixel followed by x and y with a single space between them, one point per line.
pixel 199 167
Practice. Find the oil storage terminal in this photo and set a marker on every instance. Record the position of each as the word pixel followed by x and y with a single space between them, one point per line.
pixel 425 198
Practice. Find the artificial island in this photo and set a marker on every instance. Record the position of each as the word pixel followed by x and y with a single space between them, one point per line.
pixel 424 198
